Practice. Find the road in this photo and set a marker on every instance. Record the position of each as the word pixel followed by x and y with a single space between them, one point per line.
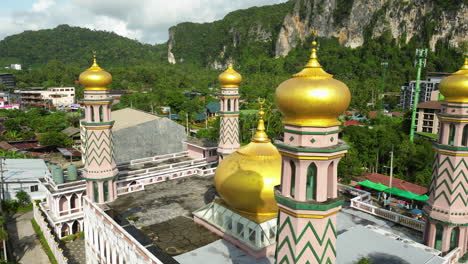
pixel 26 247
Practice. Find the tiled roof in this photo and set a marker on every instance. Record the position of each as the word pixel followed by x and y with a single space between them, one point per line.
pixel 397 183
pixel 430 105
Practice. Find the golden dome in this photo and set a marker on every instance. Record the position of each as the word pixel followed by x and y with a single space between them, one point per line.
pixel 230 78
pixel 95 78
pixel 245 179
pixel 455 87
pixel 312 97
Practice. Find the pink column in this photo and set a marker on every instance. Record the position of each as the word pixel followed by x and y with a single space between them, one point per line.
pixel 101 192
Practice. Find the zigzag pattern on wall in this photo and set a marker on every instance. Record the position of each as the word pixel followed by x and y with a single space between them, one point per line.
pixel 449 181
pixel 294 240
pixel 99 148
pixel 231 126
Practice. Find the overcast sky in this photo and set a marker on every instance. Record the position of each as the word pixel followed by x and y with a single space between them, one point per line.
pixel 144 20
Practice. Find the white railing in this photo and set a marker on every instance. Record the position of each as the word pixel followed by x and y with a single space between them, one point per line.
pixel 49 236
pixel 159 158
pixel 453 256
pixel 161 167
pixel 363 203
pixel 142 180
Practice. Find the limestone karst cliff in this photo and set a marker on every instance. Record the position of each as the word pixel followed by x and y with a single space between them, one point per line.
pixel 279 28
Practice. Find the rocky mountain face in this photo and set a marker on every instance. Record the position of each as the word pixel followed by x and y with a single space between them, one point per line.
pixel 350 21
pixel 403 19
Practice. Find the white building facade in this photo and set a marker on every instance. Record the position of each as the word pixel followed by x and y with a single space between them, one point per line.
pixel 23 175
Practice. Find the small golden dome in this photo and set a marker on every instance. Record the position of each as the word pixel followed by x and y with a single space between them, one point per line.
pixel 312 97
pixel 245 180
pixel 95 78
pixel 230 78
pixel 455 86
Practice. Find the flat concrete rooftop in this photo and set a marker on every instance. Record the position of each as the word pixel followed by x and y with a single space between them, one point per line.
pixel 355 240
pixel 162 214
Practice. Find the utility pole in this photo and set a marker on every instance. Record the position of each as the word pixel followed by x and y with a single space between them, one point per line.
pixel 382 86
pixel 420 62
pixel 2 193
pixel 186 118
pixel 391 170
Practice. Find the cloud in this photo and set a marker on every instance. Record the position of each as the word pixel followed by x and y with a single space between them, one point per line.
pixel 144 20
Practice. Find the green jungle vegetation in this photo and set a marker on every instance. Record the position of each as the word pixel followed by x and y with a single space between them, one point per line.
pixel 56 57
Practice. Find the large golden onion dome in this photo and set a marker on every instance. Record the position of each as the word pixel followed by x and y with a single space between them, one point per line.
pixel 312 97
pixel 95 78
pixel 455 87
pixel 245 179
pixel 230 78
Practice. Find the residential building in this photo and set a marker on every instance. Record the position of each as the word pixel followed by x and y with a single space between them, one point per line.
pixel 8 80
pixel 426 117
pixel 426 88
pixel 24 175
pixel 4 104
pixel 53 96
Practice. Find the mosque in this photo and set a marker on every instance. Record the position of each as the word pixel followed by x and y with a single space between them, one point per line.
pixel 277 201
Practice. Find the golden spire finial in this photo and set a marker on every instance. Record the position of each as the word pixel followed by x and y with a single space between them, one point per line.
pixel 313 62
pixel 465 65
pixel 260 136
pixel 94 58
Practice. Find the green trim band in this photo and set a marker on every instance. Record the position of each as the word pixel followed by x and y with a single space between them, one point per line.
pixel 443 222
pixel 312 133
pixel 453 116
pixel 447 147
pixel 229 112
pixel 98 124
pixel 311 149
pixel 104 179
pixel 93 100
pixel 306 206
pixel 455 106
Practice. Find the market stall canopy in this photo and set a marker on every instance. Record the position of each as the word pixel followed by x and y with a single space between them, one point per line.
pixel 373 185
pixel 407 194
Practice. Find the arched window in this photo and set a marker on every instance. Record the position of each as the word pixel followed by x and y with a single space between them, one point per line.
pixel 92 113
pixel 75 227
pixel 64 230
pixel 229 104
pixel 106 191
pixel 438 236
pixel 454 236
pixel 96 192
pixel 293 177
pixel 311 192
pixel 73 201
pixel 101 114
pixel 452 134
pixel 465 136
pixel 441 132
pixel 331 184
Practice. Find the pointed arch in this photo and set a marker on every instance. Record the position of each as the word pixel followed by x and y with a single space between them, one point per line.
pixel 311 187
pixel 454 236
pixel 229 105
pixel 96 192
pixel 101 114
pixel 465 136
pixel 74 201
pixel 452 135
pixel 92 113
pixel 438 237
pixel 75 227
pixel 63 203
pixel 106 191
pixel 293 178
pixel 64 230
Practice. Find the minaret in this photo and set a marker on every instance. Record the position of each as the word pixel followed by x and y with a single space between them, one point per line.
pixel 229 112
pixel 446 210
pixel 307 198
pixel 100 171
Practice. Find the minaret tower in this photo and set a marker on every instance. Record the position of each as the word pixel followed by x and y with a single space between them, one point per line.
pixel 100 170
pixel 229 112
pixel 307 198
pixel 447 208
